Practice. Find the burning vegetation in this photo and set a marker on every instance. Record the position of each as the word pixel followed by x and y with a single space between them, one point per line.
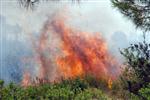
pixel 79 54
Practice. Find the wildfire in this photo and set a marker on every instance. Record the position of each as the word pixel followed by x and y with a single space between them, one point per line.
pixel 81 54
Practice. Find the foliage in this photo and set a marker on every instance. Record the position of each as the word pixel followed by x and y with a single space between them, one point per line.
pixel 60 93
pixel 145 92
pixel 136 10
pixel 31 3
pixel 71 89
pixel 136 72
pixel 96 83
pixel 91 94
pixel 138 64
pixel 134 97
pixel 1 84
pixel 120 90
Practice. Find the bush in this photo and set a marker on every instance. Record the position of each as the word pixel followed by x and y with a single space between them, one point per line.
pixel 58 93
pixel 1 84
pixel 65 90
pixel 119 91
pixel 78 85
pixel 96 83
pixel 91 94
pixel 145 92
pixel 137 64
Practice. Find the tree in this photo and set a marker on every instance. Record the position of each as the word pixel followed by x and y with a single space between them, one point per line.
pixel 31 3
pixel 136 10
pixel 138 62
pixel 28 3
pixel 137 55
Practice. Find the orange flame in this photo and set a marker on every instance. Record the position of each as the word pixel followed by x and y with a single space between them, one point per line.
pixel 26 79
pixel 81 54
pixel 110 83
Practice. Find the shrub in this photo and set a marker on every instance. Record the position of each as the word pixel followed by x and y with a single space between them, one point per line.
pixel 145 92
pixel 71 89
pixel 119 91
pixel 95 82
pixel 91 94
pixel 137 64
pixel 58 93
pixel 65 90
pixel 1 84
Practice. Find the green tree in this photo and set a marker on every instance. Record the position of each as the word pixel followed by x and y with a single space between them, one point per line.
pixel 145 92
pixel 137 73
pixel 138 62
pixel 136 10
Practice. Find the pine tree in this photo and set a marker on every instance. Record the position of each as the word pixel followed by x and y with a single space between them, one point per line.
pixel 31 3
pixel 136 10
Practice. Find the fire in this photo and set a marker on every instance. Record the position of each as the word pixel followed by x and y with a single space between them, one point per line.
pixel 81 53
pixel 26 79
pixel 65 66
pixel 110 83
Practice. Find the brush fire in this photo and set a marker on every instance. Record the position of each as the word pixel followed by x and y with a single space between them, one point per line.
pixel 78 54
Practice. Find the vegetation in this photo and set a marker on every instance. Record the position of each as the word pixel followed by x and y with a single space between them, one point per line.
pixel 138 65
pixel 71 89
pixel 136 10
pixel 31 3
pixel 120 90
pixel 145 92
pixel 135 78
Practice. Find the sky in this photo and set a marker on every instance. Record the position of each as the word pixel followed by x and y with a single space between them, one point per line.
pixel 17 24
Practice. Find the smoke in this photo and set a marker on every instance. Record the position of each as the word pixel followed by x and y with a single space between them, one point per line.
pixel 12 50
pixel 63 52
pixel 24 52
pixel 18 27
